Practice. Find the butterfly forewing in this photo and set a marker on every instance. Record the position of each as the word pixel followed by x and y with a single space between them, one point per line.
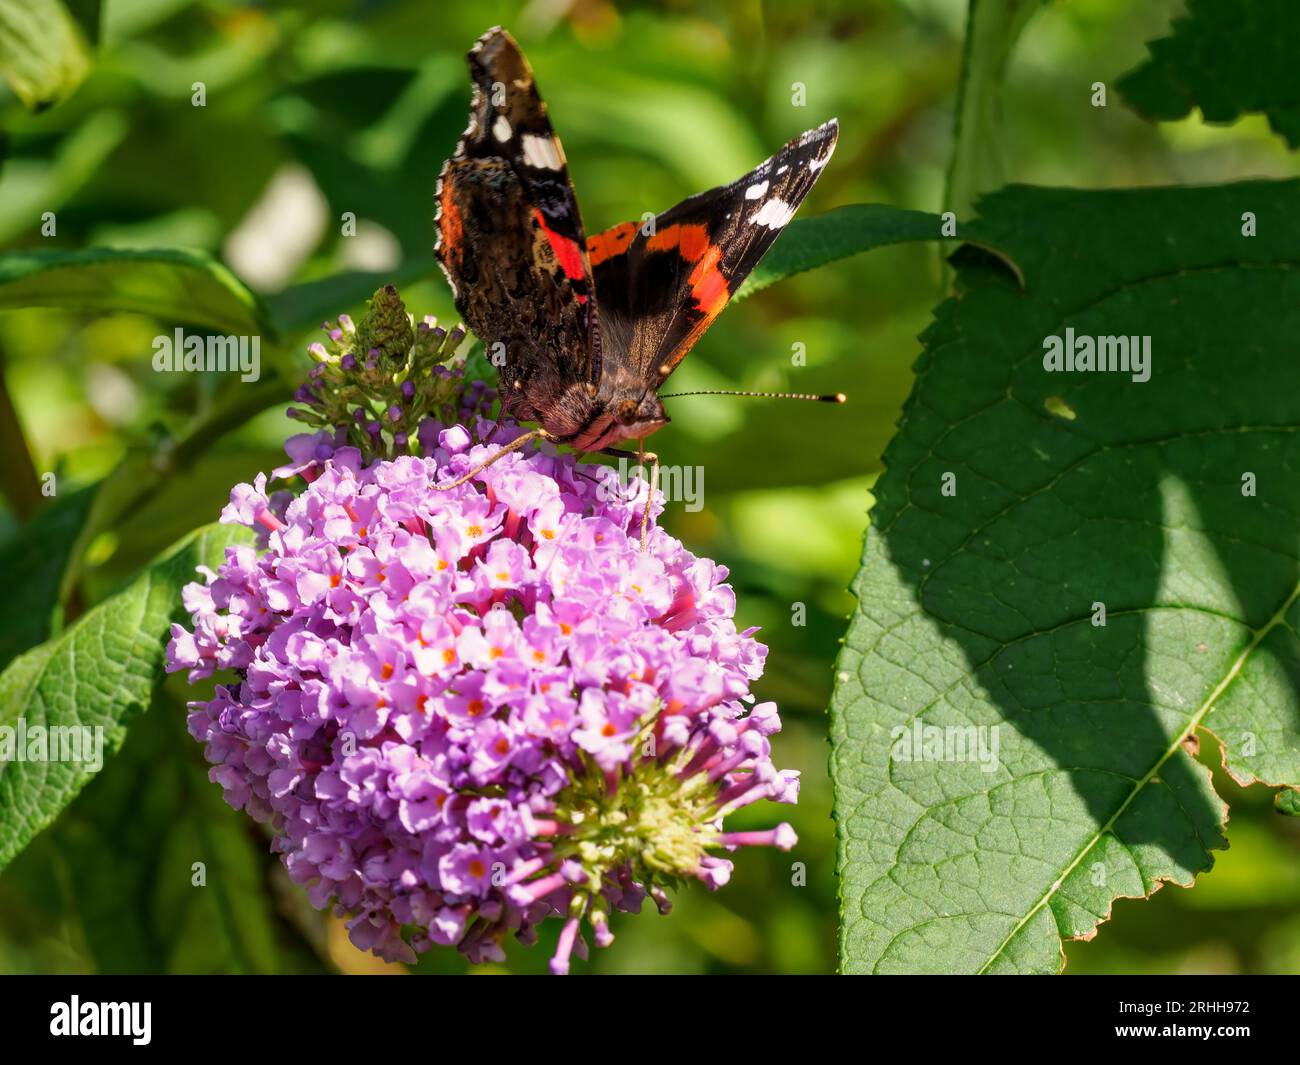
pixel 660 285
pixel 510 236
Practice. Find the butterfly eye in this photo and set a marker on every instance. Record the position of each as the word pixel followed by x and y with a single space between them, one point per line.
pixel 627 411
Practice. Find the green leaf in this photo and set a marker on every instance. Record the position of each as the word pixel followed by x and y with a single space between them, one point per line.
pixel 1173 503
pixel 1228 58
pixel 808 243
pixel 44 49
pixel 99 674
pixel 1287 802
pixel 155 871
pixel 169 283
pixel 37 557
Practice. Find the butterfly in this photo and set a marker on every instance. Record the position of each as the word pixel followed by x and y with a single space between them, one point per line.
pixel 586 330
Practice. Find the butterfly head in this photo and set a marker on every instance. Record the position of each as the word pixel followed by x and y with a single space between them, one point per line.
pixel 616 413
pixel 634 412
pixel 640 416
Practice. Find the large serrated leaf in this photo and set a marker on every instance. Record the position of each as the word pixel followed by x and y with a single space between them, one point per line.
pixel 1173 504
pixel 100 673
pixel 1228 58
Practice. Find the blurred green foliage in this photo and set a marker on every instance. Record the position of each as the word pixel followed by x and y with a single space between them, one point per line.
pixel 316 109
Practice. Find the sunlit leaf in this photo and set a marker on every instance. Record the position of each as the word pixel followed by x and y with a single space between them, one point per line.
pixel 99 674
pixel 45 49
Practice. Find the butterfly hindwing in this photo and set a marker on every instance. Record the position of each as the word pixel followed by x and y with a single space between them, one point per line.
pixel 660 286
pixel 510 236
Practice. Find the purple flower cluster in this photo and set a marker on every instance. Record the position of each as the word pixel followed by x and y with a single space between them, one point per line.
pixel 467 710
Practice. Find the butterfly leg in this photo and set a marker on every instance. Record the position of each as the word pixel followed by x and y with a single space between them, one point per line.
pixel 501 419
pixel 653 459
pixel 642 457
pixel 500 453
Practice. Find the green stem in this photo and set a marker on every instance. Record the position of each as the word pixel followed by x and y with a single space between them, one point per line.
pixel 976 166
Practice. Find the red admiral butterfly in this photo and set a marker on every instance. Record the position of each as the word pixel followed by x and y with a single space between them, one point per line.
pixel 590 328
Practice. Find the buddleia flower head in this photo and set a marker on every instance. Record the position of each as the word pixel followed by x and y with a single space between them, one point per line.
pixel 468 711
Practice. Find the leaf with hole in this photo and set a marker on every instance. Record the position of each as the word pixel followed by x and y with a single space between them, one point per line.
pixel 1050 603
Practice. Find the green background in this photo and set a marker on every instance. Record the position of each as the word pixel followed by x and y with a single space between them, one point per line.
pixel 315 109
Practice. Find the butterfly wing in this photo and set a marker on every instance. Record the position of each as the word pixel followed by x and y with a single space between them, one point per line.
pixel 660 287
pixel 510 237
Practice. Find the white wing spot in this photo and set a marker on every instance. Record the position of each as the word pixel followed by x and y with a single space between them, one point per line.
pixel 774 214
pixel 755 191
pixel 782 169
pixel 540 152
pixel 816 164
pixel 501 128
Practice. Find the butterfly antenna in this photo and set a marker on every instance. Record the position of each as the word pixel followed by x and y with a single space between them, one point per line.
pixel 836 397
